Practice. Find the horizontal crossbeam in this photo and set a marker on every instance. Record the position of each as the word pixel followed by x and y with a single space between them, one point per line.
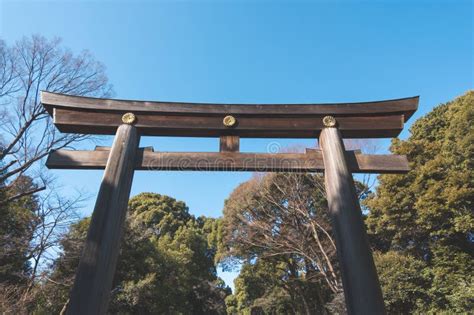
pixel 312 161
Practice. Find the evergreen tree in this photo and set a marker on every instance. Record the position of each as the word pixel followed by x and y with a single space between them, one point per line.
pixel 261 288
pixel 403 280
pixel 16 232
pixel 428 213
pixel 166 265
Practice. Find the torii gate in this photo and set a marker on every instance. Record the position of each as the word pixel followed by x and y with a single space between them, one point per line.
pixel 130 119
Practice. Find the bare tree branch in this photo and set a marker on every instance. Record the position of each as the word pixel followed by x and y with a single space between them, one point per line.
pixel 280 216
pixel 27 136
pixel 22 194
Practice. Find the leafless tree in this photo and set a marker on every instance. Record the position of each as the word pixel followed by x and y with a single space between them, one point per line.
pixel 283 214
pixel 275 215
pixel 27 136
pixel 31 65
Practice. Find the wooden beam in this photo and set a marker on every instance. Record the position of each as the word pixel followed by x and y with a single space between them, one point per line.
pixel 307 126
pixel 93 281
pixel 311 150
pixel 229 161
pixel 106 148
pixel 405 106
pixel 380 119
pixel 359 276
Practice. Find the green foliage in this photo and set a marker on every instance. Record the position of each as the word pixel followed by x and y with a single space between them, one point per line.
pixel 166 264
pixel 16 231
pixel 259 289
pixel 428 213
pixel 403 281
pixel 421 226
pixel 270 286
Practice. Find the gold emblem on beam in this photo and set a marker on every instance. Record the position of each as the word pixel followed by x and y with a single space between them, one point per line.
pixel 129 118
pixel 329 121
pixel 229 121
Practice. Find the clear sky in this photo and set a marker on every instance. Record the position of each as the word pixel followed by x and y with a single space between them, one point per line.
pixel 254 52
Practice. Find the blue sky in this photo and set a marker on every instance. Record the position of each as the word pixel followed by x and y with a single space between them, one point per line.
pixel 254 52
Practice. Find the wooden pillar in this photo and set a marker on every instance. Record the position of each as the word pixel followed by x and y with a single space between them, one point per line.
pixel 359 276
pixel 91 290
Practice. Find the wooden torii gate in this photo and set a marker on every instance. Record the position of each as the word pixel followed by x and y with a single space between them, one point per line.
pixel 128 120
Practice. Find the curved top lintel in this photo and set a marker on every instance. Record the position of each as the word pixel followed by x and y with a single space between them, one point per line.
pixel 405 106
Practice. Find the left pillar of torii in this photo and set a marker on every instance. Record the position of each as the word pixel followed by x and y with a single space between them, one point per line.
pixel 91 291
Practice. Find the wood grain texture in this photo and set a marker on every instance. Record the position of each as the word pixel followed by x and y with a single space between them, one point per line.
pixel 93 282
pixel 229 144
pixel 230 161
pixel 102 116
pixel 306 126
pixel 362 291
pixel 406 106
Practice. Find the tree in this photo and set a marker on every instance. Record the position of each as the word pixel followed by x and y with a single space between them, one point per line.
pixel 16 233
pixel 260 288
pixel 284 217
pixel 166 265
pixel 403 280
pixel 427 213
pixel 31 65
pixel 29 232
pixel 36 214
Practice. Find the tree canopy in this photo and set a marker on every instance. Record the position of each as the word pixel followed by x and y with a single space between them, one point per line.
pixel 16 233
pixel 278 226
pixel 425 217
pixel 420 226
pixel 166 264
pixel 34 214
pixel 275 228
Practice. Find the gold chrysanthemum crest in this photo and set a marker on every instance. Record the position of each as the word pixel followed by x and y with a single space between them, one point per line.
pixel 329 121
pixel 129 118
pixel 229 121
